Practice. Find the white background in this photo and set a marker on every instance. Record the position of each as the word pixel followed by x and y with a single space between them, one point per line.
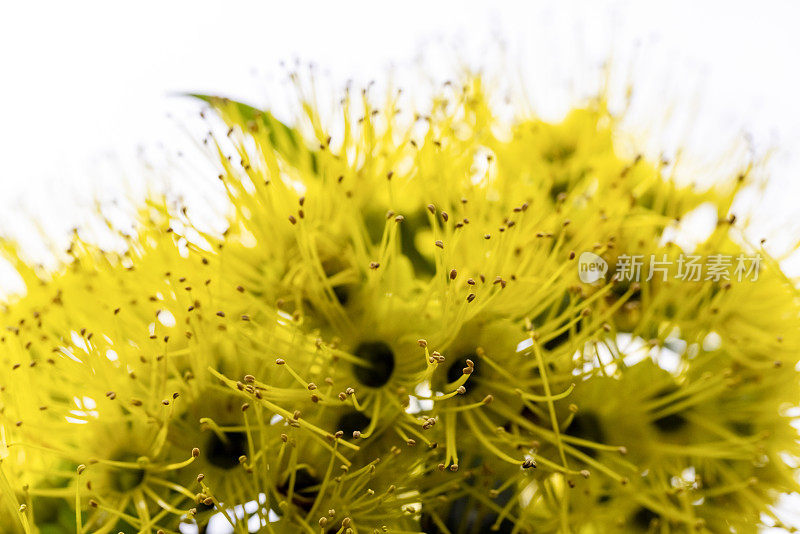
pixel 85 86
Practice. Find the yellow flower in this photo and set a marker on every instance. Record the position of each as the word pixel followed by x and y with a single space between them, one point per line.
pixel 393 335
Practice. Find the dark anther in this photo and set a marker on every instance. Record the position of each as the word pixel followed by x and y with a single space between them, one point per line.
pixel 456 368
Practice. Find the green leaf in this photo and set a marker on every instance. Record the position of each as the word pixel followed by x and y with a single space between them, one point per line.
pixel 286 140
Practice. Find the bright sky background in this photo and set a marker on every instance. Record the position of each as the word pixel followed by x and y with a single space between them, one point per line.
pixel 84 86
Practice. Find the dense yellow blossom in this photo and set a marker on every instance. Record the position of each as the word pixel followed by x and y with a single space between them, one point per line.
pixel 392 336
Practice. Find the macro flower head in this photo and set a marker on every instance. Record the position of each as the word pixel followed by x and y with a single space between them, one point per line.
pixel 392 335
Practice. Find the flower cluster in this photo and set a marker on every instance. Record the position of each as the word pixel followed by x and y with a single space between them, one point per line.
pixel 392 336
